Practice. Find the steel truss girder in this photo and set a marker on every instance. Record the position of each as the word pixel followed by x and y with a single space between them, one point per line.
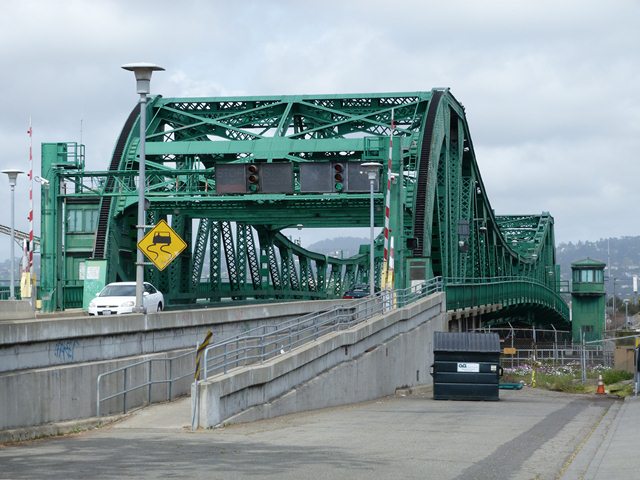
pixel 230 255
pixel 215 271
pixel 454 224
pixel 204 230
pixel 446 219
pixel 252 258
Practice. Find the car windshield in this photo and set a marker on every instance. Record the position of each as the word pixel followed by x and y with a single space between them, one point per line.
pixel 119 291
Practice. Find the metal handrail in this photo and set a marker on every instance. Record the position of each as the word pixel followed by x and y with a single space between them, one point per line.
pixel 218 358
pixel 263 343
pixel 148 383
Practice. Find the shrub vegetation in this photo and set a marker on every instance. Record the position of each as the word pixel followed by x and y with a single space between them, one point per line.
pixel 568 378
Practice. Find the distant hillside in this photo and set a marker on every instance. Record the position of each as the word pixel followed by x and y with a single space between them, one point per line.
pixel 339 247
pixel 623 254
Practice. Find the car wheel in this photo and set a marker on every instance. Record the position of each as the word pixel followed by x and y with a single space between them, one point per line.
pixel 159 307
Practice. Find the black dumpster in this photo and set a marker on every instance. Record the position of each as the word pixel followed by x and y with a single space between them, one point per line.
pixel 466 366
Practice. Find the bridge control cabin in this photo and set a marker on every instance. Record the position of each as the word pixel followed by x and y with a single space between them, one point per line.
pixel 587 300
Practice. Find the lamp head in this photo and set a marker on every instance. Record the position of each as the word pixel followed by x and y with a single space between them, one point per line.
pixel 13 175
pixel 143 71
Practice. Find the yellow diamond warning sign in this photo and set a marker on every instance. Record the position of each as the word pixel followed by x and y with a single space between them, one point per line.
pixel 161 245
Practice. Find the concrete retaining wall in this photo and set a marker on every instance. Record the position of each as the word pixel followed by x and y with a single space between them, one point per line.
pixel 45 343
pixel 368 361
pixel 49 367
pixel 16 309
pixel 41 396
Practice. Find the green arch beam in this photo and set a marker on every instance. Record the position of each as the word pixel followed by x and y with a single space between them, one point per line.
pixel 441 219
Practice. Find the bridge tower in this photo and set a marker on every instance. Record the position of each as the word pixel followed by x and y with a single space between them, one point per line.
pixel 587 300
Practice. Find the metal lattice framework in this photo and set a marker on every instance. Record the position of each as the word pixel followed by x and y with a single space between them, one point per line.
pixel 441 219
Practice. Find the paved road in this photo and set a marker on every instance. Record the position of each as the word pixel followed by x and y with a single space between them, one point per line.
pixel 529 434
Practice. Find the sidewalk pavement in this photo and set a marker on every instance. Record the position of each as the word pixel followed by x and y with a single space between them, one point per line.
pixel 611 452
pixel 530 433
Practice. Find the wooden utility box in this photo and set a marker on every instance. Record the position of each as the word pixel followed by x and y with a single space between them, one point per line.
pixel 623 359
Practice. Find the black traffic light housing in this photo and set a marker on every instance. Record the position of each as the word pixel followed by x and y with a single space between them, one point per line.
pixel 338 176
pixel 253 178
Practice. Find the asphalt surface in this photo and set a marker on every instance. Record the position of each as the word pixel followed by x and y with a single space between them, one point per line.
pixel 528 434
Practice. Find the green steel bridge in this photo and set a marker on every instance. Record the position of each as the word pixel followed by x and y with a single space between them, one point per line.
pixel 230 174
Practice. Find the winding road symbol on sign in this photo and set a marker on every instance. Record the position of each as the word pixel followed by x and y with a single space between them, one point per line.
pixel 161 245
pixel 160 238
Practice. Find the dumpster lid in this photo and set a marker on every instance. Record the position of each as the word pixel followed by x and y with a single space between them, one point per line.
pixel 466 342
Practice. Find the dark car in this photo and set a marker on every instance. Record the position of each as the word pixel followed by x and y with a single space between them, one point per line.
pixel 357 291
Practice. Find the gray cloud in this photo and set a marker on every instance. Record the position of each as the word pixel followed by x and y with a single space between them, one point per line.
pixel 550 88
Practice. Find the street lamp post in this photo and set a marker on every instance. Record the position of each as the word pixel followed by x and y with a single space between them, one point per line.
pixel 371 169
pixel 143 72
pixel 614 302
pixel 13 176
pixel 626 312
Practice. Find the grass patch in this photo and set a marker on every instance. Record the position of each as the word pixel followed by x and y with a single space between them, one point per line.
pixel 562 383
pixel 615 376
pixel 568 379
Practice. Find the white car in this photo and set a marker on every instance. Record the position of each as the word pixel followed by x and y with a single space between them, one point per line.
pixel 120 297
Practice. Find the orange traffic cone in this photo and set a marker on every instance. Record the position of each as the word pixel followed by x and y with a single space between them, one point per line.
pixel 600 389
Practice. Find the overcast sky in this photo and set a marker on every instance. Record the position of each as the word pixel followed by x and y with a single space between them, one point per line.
pixel 551 88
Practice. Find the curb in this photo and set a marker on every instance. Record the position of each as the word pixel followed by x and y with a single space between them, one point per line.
pixel 416 390
pixel 583 458
pixel 17 435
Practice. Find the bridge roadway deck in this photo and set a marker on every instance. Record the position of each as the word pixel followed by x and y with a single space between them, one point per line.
pixel 528 434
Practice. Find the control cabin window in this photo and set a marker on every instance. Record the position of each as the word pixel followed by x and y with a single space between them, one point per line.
pixel 82 220
pixel 588 276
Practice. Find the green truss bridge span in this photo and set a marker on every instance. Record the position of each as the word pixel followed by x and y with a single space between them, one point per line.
pixel 230 174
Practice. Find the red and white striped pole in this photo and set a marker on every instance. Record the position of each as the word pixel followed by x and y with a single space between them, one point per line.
pixel 387 202
pixel 30 217
pixel 390 273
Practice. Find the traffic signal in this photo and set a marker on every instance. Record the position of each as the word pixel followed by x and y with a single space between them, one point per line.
pixel 334 177
pixel 253 178
pixel 338 177
pixel 275 177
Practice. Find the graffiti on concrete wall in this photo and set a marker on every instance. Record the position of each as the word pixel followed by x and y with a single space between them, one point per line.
pixel 64 349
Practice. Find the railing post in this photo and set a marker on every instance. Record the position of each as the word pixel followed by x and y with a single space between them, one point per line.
pixel 555 344
pixel 98 396
pixel 206 353
pixel 124 395
pixel 170 386
pixel 224 358
pixel 584 360
pixel 149 382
